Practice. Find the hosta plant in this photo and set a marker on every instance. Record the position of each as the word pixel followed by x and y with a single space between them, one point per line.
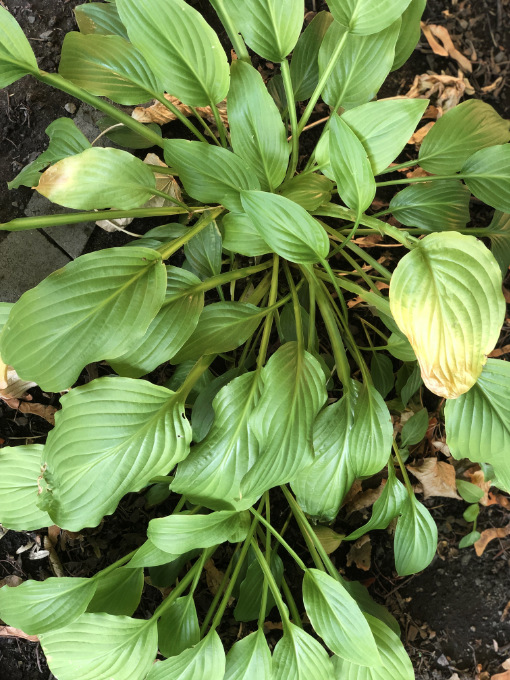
pixel 268 384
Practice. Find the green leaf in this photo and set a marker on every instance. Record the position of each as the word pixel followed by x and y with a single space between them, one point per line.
pixel 304 67
pixel 122 433
pixel 180 47
pixel 178 628
pixel 381 370
pixel 463 130
pixel 369 606
pixel 256 128
pixel 118 592
pixel 101 647
pixel 436 206
pixel 209 173
pixel 365 17
pixel 471 493
pixel 415 538
pixel 445 296
pixel 415 428
pixel 487 174
pixel 408 381
pixel 336 617
pixel 362 67
pixel 205 660
pixel 299 656
pixel 248 602
pixel 292 393
pixel 241 236
pixel 202 416
pixel 498 232
pixel 471 512
pixel 395 662
pixel 16 56
pixel 351 167
pixel 165 575
pixel 309 191
pixel 249 659
pixel 65 140
pixel 108 66
pixel 270 27
pixel 385 508
pixel 5 310
pixel 181 532
pixel 286 227
pixel 94 307
pixel 98 178
pixel 399 347
pixel 211 475
pixel 40 606
pixel 124 136
pixel 410 32
pixel 203 252
pixel 222 327
pixel 148 555
pixel 470 539
pixel 168 331
pixel 20 466
pixel 101 19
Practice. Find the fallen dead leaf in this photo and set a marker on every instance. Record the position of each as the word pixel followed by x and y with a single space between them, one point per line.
pixel 269 626
pixel 445 90
pixel 12 581
pixel 213 576
pixel 420 134
pixel 437 478
pixel 501 676
pixel 477 477
pixel 433 33
pixel 8 631
pixel 158 112
pixel 504 616
pixel 11 386
pixel 365 499
pixel 499 352
pixel 46 412
pixel 493 86
pixel 499 499
pixel 489 535
pixel 361 553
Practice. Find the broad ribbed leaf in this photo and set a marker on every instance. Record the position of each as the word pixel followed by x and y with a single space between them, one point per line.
pixel 169 330
pixel 498 232
pixel 365 17
pixel 65 140
pixel 205 660
pixel 181 532
pixel 202 416
pixel 148 555
pixel 108 66
pixel 20 466
pixel 415 538
pixel 102 647
pixel 250 592
pixel 386 507
pixel 395 663
pixel 369 606
pixel 270 27
pixel 415 428
pixel 249 659
pixel 487 174
pixel 222 327
pixel 309 191
pixel 121 433
pixel 351 167
pixel 292 393
pixel 94 307
pixel 362 67
pixel 118 592
pixel 286 227
pixel 204 252
pixel 211 475
pixel 256 128
pixel 437 206
pixel 181 49
pixel 463 130
pixel 37 607
pixel 410 32
pixel 16 56
pixel 209 173
pixel 299 656
pixel 178 628
pixel 304 67
pixel 241 236
pixel 336 617
pixel 445 296
pixel 99 18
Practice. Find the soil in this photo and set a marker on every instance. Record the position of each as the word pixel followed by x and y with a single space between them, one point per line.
pixel 453 615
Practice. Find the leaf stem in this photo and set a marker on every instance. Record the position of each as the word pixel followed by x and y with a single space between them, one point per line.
pixel 232 32
pixel 407 481
pixel 291 106
pixel 219 592
pixel 209 216
pixel 400 166
pixel 180 116
pixel 268 324
pixel 268 574
pixel 219 124
pixel 297 309
pixel 416 180
pixel 194 375
pixel 280 539
pixel 115 565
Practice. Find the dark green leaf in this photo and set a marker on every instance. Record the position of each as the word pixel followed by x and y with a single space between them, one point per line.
pixel 124 136
pixel 248 603
pixel 381 370
pixel 310 191
pixel 203 252
pixel 436 206
pixel 410 32
pixel 408 382
pixel 415 428
pixel 202 416
pixel 304 67
pixel 178 628
pixel 499 233
pixel 241 236
pixel 96 17
pixel 471 513
pixel 470 539
pixel 118 593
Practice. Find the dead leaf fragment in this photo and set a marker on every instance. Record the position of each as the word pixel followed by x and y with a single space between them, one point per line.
pixel 46 412
pixel 213 576
pixel 489 535
pixel 365 499
pixel 360 554
pixel 160 114
pixel 437 478
pixel 477 478
pixel 420 134
pixel 433 34
pixel 501 676
pixel 8 631
pixel 445 90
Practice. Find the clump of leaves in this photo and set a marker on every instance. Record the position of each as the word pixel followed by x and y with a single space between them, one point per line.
pixel 255 324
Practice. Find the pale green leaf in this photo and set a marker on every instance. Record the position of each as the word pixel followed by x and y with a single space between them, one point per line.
pixel 487 174
pixel 410 32
pixel 470 539
pixel 256 128
pixel 118 592
pixel 415 538
pixel 108 66
pixel 299 656
pixel 471 512
pixel 96 17
pixel 181 532
pixel 121 433
pixel 205 660
pixel 286 227
pixel 102 647
pixel 241 236
pixel 336 617
pixel 310 191
pixel 304 67
pixel 463 130
pixel 415 428
pixel 98 178
pixel 498 232
pixel 445 296
pixel 16 56
pixel 148 555
pixel 180 47
pixel 250 592
pixel 94 307
pixel 249 659
pixel 471 493
pixel 209 173
pixel 178 628
pixel 292 393
pixel 40 606
pixel 435 206
pixel 20 467
pixel 365 17
pixel 369 606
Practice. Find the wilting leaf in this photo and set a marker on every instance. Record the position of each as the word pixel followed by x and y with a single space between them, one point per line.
pixel 436 206
pixel 16 56
pixel 487 174
pixel 415 538
pixel 365 17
